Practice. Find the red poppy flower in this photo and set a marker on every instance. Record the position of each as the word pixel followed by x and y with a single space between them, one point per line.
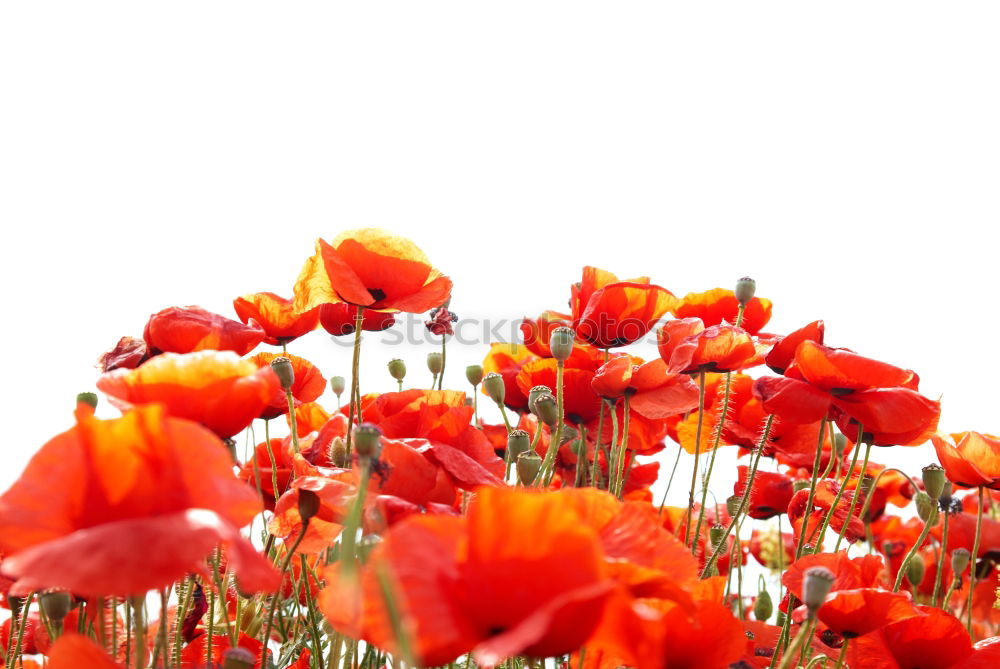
pixel 962 532
pixel 856 612
pixel 826 493
pixel 373 269
pixel 189 329
pixel 260 466
pixel 276 315
pixel 581 403
pixel 507 361
pixel 764 546
pixel 719 305
pixel 128 353
pixel 334 497
pixel 849 573
pixel 621 313
pixel 653 392
pixel 307 385
pixel 95 495
pixel 75 651
pixel 719 348
pixel 213 388
pixel 973 461
pixel 537 333
pixel 770 494
pixel 339 319
pixel 782 354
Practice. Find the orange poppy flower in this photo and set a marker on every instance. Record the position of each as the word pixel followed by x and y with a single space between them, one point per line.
pixel 189 329
pixel 580 402
pixel 75 651
pixel 719 305
pixel 826 493
pixel 537 333
pixel 770 493
pixel 856 612
pixel 849 573
pixel 277 316
pixel 782 354
pixel 307 385
pixel 213 388
pixel 507 361
pixel 261 466
pixel 653 391
pixel 621 313
pixel 150 494
pixel 334 497
pixel 719 348
pixel 340 319
pixel 373 269
pixel 973 461
pixel 310 417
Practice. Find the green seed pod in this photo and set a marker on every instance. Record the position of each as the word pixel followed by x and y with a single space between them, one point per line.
pixel 547 410
pixel 959 560
pixel 528 465
pixel 534 393
pixel 561 343
pixel 915 571
pixel 87 398
pixel 238 658
pixel 926 507
pixel 518 441
pixel 717 534
pixel 367 440
pixel 337 385
pixel 435 362
pixel 56 605
pixel 474 373
pixel 934 480
pixel 733 504
pixel 282 366
pixel 397 369
pixel 494 387
pixel 815 588
pixel 745 289
pixel 308 504
pixel 338 452
pixel 763 607
pixel 839 444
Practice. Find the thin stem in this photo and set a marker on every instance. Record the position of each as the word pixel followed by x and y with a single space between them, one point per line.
pixel 292 419
pixel 355 367
pixel 622 450
pixel 793 650
pixel 843 655
pixel 972 562
pixel 548 464
pixel 913 551
pixel 444 355
pixel 697 454
pixel 670 481
pixel 812 489
pixel 941 559
pixel 274 598
pixel 715 449
pixel 854 498
pixel 836 500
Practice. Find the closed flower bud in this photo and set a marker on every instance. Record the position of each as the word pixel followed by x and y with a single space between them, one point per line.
pixel 494 387
pixel 518 441
pixel 367 440
pixel 534 394
pixel 282 366
pixel 839 444
pixel 815 588
pixel 435 362
pixel 717 534
pixel 397 369
pixel 800 485
pixel 733 504
pixel 934 480
pixel 337 385
pixel 238 658
pixel 547 410
pixel 474 373
pixel 915 571
pixel 959 560
pixel 926 507
pixel 569 433
pixel 56 605
pixel 745 289
pixel 528 465
pixel 561 343
pixel 308 504
pixel 763 607
pixel 89 399
pixel 944 501
pixel 338 452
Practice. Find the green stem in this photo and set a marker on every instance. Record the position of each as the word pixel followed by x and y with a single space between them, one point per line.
pixel 843 655
pixel 292 419
pixel 854 498
pixel 274 598
pixel 941 559
pixel 793 650
pixel 355 368
pixel 548 464
pixel 697 454
pixel 711 459
pixel 812 489
pixel 913 551
pixel 972 562
pixel 836 500
pixel 444 355
pixel 622 450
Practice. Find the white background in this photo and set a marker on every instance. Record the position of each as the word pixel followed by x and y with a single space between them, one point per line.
pixel 843 154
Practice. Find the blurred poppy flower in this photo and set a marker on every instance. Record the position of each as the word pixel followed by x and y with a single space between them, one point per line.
pixel 128 353
pixel 277 316
pixel 826 493
pixel 75 651
pixel 261 466
pixel 339 319
pixel 373 269
pixel 719 305
pixel 765 547
pixel 855 612
pixel 334 499
pixel 189 329
pixel 770 493
pixel 307 385
pixel 310 417
pixel 973 460
pixel 213 388
pixel 150 494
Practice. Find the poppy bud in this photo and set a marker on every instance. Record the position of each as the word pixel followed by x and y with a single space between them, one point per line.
pixel 561 343
pixel 745 289
pixel 915 571
pixel 89 399
pixel 717 534
pixel 282 366
pixel 528 465
pixel 799 485
pixel 435 362
pixel 945 500
pixel 474 373
pixel 934 480
pixel 56 605
pixel 959 561
pixel 494 387
pixel 926 508
pixel 547 410
pixel 338 452
pixel 238 658
pixel 518 441
pixel 733 504
pixel 815 588
pixel 15 604
pixel 839 444
pixel 763 607
pixel 308 504
pixel 397 369
pixel 337 385
pixel 534 393
pixel 367 440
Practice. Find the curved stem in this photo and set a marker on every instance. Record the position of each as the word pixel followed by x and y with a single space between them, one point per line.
pixel 913 551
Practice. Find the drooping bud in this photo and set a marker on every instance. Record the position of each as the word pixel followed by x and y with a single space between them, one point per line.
pixel 926 507
pixel 435 362
pixel 799 485
pixel 946 499
pixel 56 605
pixel 238 658
pixel 915 571
pixel 308 504
pixel 815 588
pixel 934 480
pixel 733 504
pixel 367 440
pixel 494 387
pixel 569 433
pixel 90 399
pixel 763 607
pixel 282 367
pixel 959 560
pixel 528 465
pixel 745 289
pixel 397 369
pixel 518 441
pixel 337 385
pixel 338 452
pixel 839 444
pixel 547 409
pixel 534 393
pixel 561 343
pixel 474 374
pixel 717 534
